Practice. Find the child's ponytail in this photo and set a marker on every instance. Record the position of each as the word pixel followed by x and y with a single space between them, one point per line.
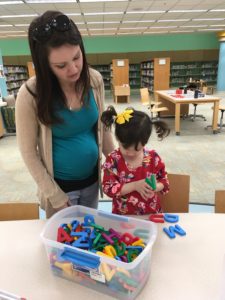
pixel 108 117
pixel 161 128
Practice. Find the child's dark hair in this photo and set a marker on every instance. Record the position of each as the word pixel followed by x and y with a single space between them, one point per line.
pixel 137 130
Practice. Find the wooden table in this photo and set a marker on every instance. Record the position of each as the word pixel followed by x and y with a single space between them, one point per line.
pixel 170 95
pixel 184 268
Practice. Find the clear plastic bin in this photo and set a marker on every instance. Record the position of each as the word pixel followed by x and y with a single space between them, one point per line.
pixel 107 275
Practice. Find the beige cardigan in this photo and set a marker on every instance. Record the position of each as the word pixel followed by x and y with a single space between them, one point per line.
pixel 35 143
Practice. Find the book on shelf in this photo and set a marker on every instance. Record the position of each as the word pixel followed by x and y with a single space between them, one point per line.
pixel 15 77
pixel 183 72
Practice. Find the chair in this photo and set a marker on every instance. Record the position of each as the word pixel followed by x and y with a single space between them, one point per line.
pixel 196 85
pixel 220 201
pixel 152 105
pixel 221 109
pixel 220 124
pixel 177 200
pixel 19 211
pixel 195 115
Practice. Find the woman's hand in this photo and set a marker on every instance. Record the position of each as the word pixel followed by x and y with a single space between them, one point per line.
pixel 64 206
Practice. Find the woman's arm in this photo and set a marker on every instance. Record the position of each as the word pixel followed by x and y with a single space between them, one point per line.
pixel 108 144
pixel 107 141
pixel 28 131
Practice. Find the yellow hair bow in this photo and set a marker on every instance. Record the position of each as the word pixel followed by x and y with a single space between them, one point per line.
pixel 124 116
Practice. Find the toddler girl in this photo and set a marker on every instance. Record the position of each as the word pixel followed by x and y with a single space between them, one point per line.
pixel 133 175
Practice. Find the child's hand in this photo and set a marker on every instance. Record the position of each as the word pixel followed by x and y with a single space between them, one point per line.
pixel 159 187
pixel 143 189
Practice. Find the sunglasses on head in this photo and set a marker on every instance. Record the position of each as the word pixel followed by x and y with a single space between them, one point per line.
pixel 41 33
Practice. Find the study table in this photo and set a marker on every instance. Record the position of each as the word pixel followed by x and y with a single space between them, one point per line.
pixel 184 268
pixel 178 100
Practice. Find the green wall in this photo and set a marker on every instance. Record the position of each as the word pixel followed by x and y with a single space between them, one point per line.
pixel 14 47
pixel 144 43
pixel 118 44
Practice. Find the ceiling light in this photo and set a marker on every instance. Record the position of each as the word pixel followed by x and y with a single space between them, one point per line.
pixel 49 1
pixel 8 25
pixel 16 35
pixel 181 31
pixel 104 22
pixel 149 32
pixel 21 25
pixel 178 20
pixel 187 11
pixel 104 13
pixel 73 14
pixel 104 33
pixel 132 33
pixel 146 12
pixel 216 10
pixel 159 27
pixel 132 28
pixel 13 31
pixel 215 19
pixel 217 25
pixel 19 16
pixel 11 2
pixel 211 29
pixel 97 29
pixel 103 1
pixel 192 26
pixel 142 21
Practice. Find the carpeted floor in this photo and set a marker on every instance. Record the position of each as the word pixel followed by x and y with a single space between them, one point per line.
pixel 196 152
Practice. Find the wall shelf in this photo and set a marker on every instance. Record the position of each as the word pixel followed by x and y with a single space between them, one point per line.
pixel 105 72
pixel 155 74
pixel 134 76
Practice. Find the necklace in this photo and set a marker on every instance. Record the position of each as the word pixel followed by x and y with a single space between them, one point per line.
pixel 69 105
pixel 73 100
pixel 76 106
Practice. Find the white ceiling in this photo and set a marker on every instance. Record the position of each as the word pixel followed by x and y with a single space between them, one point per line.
pixel 127 17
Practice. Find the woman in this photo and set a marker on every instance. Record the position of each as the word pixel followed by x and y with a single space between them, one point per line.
pixel 58 111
